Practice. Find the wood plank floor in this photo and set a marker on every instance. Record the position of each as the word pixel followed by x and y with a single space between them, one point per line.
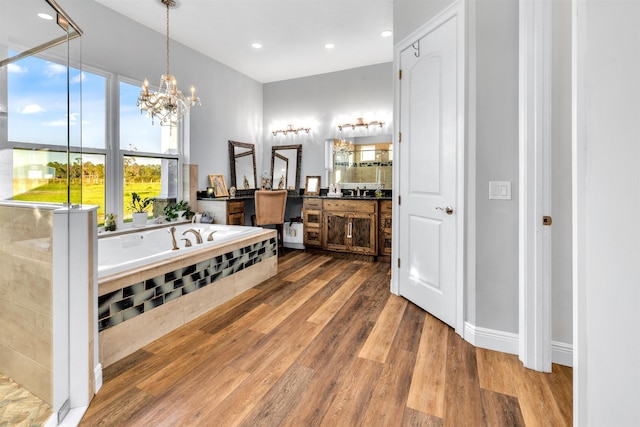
pixel 325 343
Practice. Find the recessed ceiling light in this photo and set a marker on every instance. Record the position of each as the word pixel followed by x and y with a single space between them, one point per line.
pixel 386 33
pixel 45 16
pixel 329 45
pixel 256 45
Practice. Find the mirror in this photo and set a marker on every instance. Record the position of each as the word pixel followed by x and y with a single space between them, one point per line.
pixel 365 161
pixel 285 166
pixel 242 164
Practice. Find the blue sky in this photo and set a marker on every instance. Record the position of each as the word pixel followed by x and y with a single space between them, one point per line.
pixel 37 98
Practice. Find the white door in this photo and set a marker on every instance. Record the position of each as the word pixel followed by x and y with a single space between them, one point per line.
pixel 428 171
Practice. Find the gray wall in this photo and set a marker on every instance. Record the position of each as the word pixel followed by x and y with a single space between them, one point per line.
pixel 319 101
pixel 231 102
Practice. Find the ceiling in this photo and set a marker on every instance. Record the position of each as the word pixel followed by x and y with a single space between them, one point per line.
pixel 292 32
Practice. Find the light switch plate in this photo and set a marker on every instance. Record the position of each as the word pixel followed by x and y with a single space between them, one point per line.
pixel 500 190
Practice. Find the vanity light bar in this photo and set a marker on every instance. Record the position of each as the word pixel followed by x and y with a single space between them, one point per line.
pixel 290 128
pixel 360 122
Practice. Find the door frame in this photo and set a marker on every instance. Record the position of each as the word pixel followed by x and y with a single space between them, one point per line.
pixel 535 55
pixel 456 9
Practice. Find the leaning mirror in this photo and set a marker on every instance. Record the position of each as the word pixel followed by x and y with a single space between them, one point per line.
pixel 242 164
pixel 285 166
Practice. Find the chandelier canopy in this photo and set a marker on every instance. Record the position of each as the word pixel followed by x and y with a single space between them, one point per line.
pixel 168 105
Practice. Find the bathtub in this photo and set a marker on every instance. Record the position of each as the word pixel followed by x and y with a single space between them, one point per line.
pixel 129 251
pixel 146 289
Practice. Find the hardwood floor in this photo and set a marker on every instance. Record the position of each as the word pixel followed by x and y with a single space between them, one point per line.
pixel 324 343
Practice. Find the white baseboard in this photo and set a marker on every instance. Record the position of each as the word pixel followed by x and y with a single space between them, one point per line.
pixel 491 339
pixel 507 342
pixel 97 377
pixel 562 353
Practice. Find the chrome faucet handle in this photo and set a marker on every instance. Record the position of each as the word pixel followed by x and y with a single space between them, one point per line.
pixel 210 238
pixel 187 243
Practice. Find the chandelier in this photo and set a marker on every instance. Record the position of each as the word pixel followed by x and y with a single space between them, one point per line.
pixel 168 105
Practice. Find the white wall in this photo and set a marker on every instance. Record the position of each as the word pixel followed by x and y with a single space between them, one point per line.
pixel 231 102
pixel 607 202
pixel 320 102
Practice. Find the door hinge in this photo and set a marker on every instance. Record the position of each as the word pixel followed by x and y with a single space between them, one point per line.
pixel 399 200
pixel 400 74
pixel 399 136
pixel 398 262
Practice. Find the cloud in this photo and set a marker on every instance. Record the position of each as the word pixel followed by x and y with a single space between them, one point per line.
pixel 32 109
pixel 79 78
pixel 17 69
pixel 53 69
pixel 73 120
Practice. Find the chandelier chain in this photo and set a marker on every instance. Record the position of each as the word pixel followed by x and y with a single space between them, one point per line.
pixel 168 4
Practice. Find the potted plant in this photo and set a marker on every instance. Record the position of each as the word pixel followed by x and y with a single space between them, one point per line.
pixel 177 211
pixel 110 222
pixel 139 208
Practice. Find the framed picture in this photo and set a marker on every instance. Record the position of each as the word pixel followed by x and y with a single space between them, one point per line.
pixel 312 186
pixel 219 186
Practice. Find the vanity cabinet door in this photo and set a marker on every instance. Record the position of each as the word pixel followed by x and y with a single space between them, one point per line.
pixel 312 222
pixel 335 231
pixel 362 236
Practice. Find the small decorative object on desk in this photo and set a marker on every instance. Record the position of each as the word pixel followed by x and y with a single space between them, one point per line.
pixel 110 222
pixel 266 181
pixel 232 192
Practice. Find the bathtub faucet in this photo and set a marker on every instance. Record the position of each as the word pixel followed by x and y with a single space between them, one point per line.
pixel 195 233
pixel 173 238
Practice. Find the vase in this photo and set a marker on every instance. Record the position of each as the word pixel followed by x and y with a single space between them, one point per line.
pixel 140 219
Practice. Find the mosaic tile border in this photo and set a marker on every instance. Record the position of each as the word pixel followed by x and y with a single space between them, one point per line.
pixel 128 302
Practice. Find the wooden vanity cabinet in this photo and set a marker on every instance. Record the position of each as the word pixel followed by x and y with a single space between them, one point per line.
pixel 385 228
pixel 312 222
pixel 235 212
pixel 350 226
pixel 224 211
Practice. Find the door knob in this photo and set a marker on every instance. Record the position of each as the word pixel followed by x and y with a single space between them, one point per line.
pixel 448 210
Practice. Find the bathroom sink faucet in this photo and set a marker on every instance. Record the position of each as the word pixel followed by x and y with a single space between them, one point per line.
pixel 195 233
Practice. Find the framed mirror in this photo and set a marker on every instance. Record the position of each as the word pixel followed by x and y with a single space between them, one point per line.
pixel 312 186
pixel 285 166
pixel 242 164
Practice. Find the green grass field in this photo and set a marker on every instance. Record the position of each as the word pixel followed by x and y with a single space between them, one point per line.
pixel 87 194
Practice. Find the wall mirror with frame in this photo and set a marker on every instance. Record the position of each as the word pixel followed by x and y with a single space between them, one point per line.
pixel 364 161
pixel 285 166
pixel 242 164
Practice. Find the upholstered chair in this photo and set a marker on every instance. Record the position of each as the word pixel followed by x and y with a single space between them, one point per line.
pixel 270 207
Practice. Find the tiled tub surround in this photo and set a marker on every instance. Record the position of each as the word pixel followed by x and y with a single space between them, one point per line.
pixel 140 305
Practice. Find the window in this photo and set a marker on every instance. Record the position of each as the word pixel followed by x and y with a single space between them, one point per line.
pixel 142 157
pixel 150 159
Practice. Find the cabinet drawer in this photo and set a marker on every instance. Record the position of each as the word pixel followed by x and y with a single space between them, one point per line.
pixel 364 206
pixel 235 207
pixel 313 204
